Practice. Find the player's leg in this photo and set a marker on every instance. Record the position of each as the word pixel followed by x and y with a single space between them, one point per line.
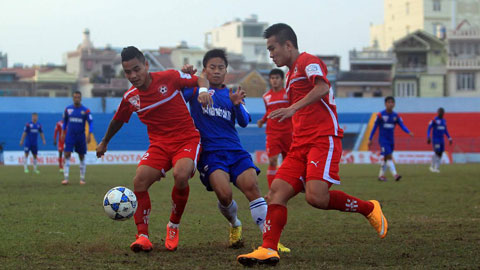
pixel 35 161
pixel 247 183
pixel 272 169
pixel 25 160
pixel 383 165
pixel 274 148
pixel 81 149
pixel 220 183
pixel 60 156
pixel 66 168
pixel 145 176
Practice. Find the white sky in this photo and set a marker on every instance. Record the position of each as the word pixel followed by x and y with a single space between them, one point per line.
pixel 41 31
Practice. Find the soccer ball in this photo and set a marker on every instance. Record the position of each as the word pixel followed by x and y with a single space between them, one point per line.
pixel 120 203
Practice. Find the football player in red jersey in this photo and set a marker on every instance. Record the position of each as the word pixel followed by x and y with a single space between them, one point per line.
pixel 174 140
pixel 61 143
pixel 312 162
pixel 279 134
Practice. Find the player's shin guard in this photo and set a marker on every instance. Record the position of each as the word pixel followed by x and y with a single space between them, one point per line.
pixel 143 212
pixel 341 201
pixel 66 170
pixel 391 166
pixel 274 222
pixel 230 213
pixel 383 168
pixel 83 168
pixel 271 172
pixel 179 200
pixel 258 209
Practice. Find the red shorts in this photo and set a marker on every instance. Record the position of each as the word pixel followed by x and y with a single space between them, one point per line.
pixel 278 144
pixel 317 161
pixel 60 146
pixel 163 156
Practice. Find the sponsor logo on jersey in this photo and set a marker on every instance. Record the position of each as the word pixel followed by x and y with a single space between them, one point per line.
pixel 82 112
pixel 439 122
pixel 313 69
pixel 211 92
pixel 388 125
pixel 75 120
pixel 163 89
pixel 225 114
pixel 135 101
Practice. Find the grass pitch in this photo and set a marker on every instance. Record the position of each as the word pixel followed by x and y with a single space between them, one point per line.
pixel 433 223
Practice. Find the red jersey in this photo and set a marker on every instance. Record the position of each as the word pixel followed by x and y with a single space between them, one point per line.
pixel 161 107
pixel 58 132
pixel 319 118
pixel 273 101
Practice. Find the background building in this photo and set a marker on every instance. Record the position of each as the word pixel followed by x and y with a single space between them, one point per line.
pixel 402 17
pixel 3 60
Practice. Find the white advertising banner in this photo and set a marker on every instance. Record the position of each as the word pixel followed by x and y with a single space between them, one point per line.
pixel 51 157
pixel 367 157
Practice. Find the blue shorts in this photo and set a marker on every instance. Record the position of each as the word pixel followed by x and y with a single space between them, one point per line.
pixel 438 147
pixel 79 142
pixel 31 148
pixel 386 148
pixel 233 162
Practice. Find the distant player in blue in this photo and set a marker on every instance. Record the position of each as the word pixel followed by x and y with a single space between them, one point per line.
pixel 223 159
pixel 74 119
pixel 30 136
pixel 385 122
pixel 439 126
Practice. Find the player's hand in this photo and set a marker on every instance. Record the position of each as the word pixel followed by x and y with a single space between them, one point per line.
pixel 282 113
pixel 63 136
pixel 190 69
pixel 411 134
pixel 101 149
pixel 369 144
pixel 260 123
pixel 54 143
pixel 428 141
pixel 205 99
pixel 450 141
pixel 89 138
pixel 237 96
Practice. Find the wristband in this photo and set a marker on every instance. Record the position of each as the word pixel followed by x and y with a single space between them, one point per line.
pixel 202 90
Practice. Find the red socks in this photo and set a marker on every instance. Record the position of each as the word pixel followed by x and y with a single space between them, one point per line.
pixel 271 172
pixel 60 163
pixel 143 212
pixel 273 227
pixel 179 200
pixel 346 203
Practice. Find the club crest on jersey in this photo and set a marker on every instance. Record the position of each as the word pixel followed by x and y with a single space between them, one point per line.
pixel 163 89
pixel 211 92
pixel 135 101
pixel 385 118
pixel 395 119
pixel 295 70
pixel 82 112
pixel 69 111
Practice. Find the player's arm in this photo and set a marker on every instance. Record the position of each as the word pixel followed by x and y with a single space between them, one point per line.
pixel 448 135
pixel 404 128
pixel 263 120
pixel 55 133
pixel 65 124
pixel 42 135
pixel 90 126
pixel 241 113
pixel 375 126
pixel 188 79
pixel 24 134
pixel 430 125
pixel 112 129
pixel 189 93
pixel 320 90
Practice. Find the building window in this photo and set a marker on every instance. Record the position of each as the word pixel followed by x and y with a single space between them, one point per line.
pixel 437 5
pixel 260 49
pixel 434 29
pixel 252 30
pixel 433 85
pixel 406 89
pixel 466 81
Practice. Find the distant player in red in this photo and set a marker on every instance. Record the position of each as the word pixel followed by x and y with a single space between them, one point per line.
pixel 174 141
pixel 61 144
pixel 312 164
pixel 279 134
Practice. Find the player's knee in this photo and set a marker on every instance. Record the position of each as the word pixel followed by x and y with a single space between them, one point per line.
pixel 251 189
pixel 316 201
pixel 181 175
pixel 225 198
pixel 140 183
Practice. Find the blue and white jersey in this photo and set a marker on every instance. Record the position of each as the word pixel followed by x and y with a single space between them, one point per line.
pixel 386 122
pixel 439 126
pixel 74 119
pixel 32 129
pixel 216 123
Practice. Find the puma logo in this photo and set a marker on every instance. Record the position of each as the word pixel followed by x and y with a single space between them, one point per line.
pixel 187 150
pixel 315 163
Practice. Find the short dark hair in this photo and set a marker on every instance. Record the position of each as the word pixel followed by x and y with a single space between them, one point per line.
pixel 35 113
pixel 282 33
pixel 77 92
pixel 276 71
pixel 441 109
pixel 130 52
pixel 213 54
pixel 389 98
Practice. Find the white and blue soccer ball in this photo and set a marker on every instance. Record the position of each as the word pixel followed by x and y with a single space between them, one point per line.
pixel 120 203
